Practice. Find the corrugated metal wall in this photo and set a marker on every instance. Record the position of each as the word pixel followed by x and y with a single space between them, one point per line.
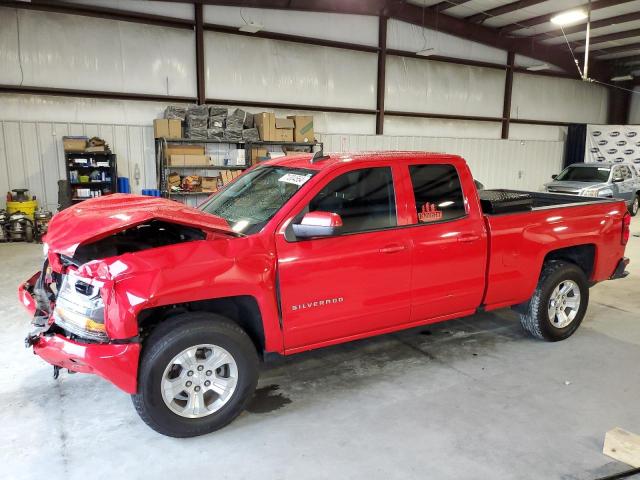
pixel 496 163
pixel 31 155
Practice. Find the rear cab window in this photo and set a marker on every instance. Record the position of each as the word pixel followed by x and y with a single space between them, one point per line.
pixel 437 192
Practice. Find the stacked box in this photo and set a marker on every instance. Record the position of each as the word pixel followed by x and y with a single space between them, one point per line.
pixel 250 135
pixel 175 112
pixel 197 120
pixel 235 125
pixel 217 120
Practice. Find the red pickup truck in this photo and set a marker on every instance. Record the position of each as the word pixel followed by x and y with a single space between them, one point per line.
pixel 176 305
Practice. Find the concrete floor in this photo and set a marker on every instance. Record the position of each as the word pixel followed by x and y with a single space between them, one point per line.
pixel 469 399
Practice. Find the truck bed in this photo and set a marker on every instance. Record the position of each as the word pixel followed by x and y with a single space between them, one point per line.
pixel 503 201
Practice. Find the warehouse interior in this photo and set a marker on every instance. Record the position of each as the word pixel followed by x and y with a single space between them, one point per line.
pixel 172 101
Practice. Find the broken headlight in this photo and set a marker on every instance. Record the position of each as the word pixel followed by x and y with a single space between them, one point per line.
pixel 79 309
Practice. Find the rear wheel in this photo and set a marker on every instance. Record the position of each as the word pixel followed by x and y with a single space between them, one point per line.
pixel 197 373
pixel 635 205
pixel 559 302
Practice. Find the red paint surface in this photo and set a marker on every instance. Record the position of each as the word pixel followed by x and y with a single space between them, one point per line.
pixel 332 289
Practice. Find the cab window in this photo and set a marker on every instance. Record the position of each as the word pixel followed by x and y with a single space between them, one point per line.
pixel 438 193
pixel 364 199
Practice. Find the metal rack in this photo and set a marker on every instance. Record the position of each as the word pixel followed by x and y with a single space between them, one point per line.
pixel 163 167
pixel 105 187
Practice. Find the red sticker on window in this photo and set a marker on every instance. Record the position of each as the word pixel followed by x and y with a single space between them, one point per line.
pixel 429 213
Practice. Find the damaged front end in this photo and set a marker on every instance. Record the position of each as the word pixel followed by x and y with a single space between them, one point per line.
pixel 68 327
pixel 103 256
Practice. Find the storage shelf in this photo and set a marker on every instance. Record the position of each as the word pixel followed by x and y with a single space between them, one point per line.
pixel 190 193
pixel 241 142
pixel 161 144
pixel 79 165
pixel 94 154
pixel 105 187
pixel 88 184
pixel 207 167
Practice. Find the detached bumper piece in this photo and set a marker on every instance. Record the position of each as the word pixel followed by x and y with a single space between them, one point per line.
pixel 620 271
pixel 117 363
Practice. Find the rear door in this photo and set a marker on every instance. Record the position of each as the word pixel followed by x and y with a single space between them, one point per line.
pixel 355 282
pixel 449 244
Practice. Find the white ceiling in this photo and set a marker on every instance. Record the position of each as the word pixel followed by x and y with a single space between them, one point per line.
pixel 474 7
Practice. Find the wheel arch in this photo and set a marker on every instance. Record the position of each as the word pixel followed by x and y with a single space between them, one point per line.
pixel 243 310
pixel 583 256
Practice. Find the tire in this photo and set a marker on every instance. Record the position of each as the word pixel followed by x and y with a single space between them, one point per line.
pixel 635 205
pixel 172 338
pixel 537 317
pixel 28 232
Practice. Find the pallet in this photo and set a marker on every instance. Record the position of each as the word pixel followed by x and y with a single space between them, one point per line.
pixel 622 446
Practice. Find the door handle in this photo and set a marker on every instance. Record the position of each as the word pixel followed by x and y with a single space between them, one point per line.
pixel 393 248
pixel 470 237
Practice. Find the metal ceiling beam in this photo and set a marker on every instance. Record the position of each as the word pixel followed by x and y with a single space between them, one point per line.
pixel 70 92
pixel 632 47
pixel 286 37
pixel 605 22
pixel 357 7
pixel 539 20
pixel 100 12
pixel 612 37
pixel 502 10
pixel 478 33
pixel 627 60
pixel 446 5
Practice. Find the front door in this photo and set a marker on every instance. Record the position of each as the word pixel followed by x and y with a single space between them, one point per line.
pixel 355 282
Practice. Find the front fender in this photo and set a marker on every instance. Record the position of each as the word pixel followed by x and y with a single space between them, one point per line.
pixel 187 272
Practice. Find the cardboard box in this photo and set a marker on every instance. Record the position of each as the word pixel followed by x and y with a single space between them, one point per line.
pixel 265 122
pixel 175 128
pixel 259 155
pixel 188 160
pixel 74 144
pixel 284 130
pixel 184 150
pixel 235 157
pixel 174 180
pixel 196 160
pixel 176 160
pixel 303 128
pixel 99 149
pixel 272 129
pixel 161 128
pixel 209 184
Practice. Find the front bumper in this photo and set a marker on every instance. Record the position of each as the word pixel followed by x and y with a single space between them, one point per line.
pixel 115 362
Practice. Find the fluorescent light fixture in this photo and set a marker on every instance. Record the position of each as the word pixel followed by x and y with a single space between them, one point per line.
pixel 622 78
pixel 539 67
pixel 567 18
pixel 251 28
pixel 427 52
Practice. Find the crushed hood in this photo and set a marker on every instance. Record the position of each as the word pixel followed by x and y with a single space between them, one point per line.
pixel 100 217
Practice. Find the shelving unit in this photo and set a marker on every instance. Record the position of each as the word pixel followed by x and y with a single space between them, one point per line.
pixel 163 167
pixel 105 187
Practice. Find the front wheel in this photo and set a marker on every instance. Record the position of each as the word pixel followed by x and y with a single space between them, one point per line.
pixel 559 302
pixel 635 205
pixel 197 373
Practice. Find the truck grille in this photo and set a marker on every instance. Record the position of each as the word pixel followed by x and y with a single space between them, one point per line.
pixel 570 191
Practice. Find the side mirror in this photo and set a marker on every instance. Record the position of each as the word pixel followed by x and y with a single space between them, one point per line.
pixel 617 179
pixel 317 224
pixel 553 177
